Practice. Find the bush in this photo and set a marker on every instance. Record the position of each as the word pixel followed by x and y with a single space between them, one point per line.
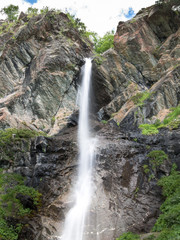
pixel 157 157
pixel 76 23
pixel 168 222
pixel 139 98
pixel 148 129
pixel 11 207
pixel 171 121
pixel 102 44
pixel 11 11
pixel 129 236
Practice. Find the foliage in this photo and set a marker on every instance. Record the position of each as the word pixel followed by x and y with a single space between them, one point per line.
pixel 11 185
pixel 102 44
pixel 11 11
pixel 7 27
pixel 146 168
pixel 168 222
pixel 148 129
pixel 44 10
pixel 139 98
pixel 76 23
pixel 98 59
pixel 104 121
pixel 129 236
pixel 11 136
pixel 171 121
pixel 157 158
pixel 32 12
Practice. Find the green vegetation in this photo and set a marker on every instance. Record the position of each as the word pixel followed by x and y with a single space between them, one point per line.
pixel 157 158
pixel 53 119
pixel 11 11
pixel 129 236
pixel 11 136
pixel 104 121
pixel 102 44
pixel 148 129
pixel 146 168
pixel 171 121
pixel 7 27
pixel 139 98
pixel 31 12
pixel 11 207
pixel 76 23
pixel 168 223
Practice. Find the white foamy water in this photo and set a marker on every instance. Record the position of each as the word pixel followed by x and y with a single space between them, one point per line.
pixel 76 217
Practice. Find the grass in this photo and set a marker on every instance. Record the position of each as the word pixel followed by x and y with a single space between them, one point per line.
pixel 171 121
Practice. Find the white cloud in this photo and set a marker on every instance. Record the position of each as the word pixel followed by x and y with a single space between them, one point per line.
pixel 98 15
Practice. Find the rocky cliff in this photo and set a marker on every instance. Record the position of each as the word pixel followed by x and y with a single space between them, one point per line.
pixel 40 61
pixel 135 83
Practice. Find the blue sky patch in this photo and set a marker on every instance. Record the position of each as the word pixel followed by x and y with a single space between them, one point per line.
pixel 31 1
pixel 130 13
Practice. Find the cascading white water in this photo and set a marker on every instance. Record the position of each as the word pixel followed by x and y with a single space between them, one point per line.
pixel 75 220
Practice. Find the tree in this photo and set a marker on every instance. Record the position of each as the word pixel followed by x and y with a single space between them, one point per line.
pixel 11 11
pixel 32 11
pixel 101 44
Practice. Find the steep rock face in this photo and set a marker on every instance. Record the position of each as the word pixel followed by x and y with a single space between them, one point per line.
pixel 145 58
pixel 38 67
pixel 125 198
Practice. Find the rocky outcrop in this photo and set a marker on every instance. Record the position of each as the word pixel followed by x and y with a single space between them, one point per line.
pixel 39 67
pixel 145 58
pixel 125 198
pixel 39 63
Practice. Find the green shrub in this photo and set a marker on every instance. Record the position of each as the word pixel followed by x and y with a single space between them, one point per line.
pixel 171 121
pixel 129 236
pixel 146 169
pixel 157 157
pixel 12 184
pixel 148 129
pixel 11 11
pixel 76 23
pixel 139 98
pixel 168 222
pixel 104 121
pixel 32 12
pixel 102 44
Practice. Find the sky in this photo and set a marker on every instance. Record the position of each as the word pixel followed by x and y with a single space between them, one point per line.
pixel 98 15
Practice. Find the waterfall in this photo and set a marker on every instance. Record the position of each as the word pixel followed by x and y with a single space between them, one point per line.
pixel 75 220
